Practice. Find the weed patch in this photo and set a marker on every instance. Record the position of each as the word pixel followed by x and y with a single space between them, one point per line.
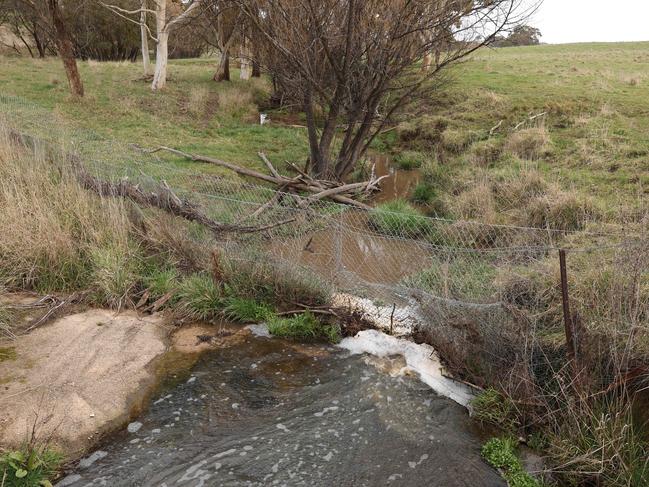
pixel 303 326
pixel 29 467
pixel 501 454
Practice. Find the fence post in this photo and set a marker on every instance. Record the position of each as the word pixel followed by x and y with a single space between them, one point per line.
pixel 567 317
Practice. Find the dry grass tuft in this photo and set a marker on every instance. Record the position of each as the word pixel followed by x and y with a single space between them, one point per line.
pixel 559 210
pixel 476 203
pixel 530 143
pixel 197 104
pixel 52 232
pixel 237 101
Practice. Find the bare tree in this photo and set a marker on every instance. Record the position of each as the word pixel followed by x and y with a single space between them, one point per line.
pixel 48 16
pixel 65 47
pixel 28 27
pixel 166 21
pixel 351 63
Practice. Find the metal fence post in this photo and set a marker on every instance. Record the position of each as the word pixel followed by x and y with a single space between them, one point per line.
pixel 567 317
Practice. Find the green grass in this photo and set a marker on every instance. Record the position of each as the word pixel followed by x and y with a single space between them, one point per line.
pixel 597 118
pixel 199 297
pixel 408 160
pixel 460 278
pixel 493 408
pixel 303 326
pixel 501 454
pixel 400 219
pixel 246 310
pixel 193 113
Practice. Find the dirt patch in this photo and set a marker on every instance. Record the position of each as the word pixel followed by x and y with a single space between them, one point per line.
pixel 201 337
pixel 78 377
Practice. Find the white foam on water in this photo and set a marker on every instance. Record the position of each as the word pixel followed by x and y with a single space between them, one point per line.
pixel 402 319
pixel 420 358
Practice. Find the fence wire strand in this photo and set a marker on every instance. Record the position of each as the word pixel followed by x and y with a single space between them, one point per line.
pixel 484 293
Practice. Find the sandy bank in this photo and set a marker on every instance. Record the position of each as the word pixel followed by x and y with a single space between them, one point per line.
pixel 78 377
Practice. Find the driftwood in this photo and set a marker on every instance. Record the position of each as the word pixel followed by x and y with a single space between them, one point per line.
pixel 319 189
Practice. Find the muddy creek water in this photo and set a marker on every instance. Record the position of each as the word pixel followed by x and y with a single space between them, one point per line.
pixel 268 412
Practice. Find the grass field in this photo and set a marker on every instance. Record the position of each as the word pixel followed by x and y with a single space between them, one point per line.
pixel 593 140
pixel 597 101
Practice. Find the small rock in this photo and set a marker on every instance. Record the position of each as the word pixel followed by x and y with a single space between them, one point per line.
pixel 134 427
pixel 86 462
pixel 69 480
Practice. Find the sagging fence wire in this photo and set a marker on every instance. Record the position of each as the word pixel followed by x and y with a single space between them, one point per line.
pixel 487 296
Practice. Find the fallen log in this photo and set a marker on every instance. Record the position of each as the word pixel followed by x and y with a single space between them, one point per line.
pixel 165 199
pixel 162 197
pixel 338 192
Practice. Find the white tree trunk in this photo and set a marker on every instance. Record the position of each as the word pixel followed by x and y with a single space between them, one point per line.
pixel 246 69
pixel 144 35
pixel 161 54
pixel 160 75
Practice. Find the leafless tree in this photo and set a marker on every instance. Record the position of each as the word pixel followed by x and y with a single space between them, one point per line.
pixel 166 21
pixel 28 27
pixel 49 15
pixel 351 64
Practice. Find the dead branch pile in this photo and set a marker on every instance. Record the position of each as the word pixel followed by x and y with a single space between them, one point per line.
pixel 347 194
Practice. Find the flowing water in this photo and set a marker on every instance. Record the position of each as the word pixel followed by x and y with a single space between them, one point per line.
pixel 269 412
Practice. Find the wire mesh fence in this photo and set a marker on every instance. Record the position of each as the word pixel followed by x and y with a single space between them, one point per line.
pixel 487 296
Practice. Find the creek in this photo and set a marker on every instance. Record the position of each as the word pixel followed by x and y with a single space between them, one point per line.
pixel 265 411
pixel 269 412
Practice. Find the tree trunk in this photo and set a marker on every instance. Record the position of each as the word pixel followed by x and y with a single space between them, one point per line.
pixel 144 35
pixel 65 48
pixel 245 66
pixel 223 71
pixel 161 57
pixel 256 70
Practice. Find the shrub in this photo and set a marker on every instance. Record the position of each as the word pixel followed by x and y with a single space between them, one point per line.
pixel 531 143
pixel 408 160
pixel 398 218
pixel 199 297
pixel 28 467
pixel 501 454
